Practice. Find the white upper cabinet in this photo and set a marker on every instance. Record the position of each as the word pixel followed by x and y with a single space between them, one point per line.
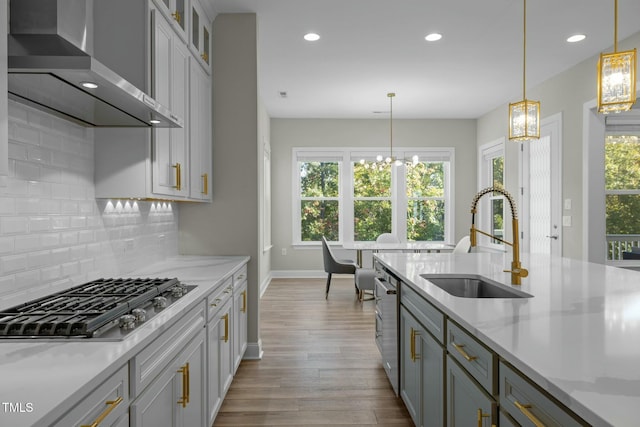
pixel 170 59
pixel 200 134
pixel 177 12
pixel 200 39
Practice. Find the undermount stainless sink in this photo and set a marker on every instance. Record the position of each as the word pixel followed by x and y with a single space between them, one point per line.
pixel 473 286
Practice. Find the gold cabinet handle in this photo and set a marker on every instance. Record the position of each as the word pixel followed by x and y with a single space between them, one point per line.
pixel 205 57
pixel 226 327
pixel 111 405
pixel 413 335
pixel 185 385
pixel 244 302
pixel 177 16
pixel 481 416
pixel 460 348
pixel 525 410
pixel 215 303
pixel 205 183
pixel 178 168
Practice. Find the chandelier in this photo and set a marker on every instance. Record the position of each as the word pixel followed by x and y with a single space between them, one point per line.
pixel 524 116
pixel 616 76
pixel 381 161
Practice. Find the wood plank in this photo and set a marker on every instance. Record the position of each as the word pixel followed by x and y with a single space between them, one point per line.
pixel 320 365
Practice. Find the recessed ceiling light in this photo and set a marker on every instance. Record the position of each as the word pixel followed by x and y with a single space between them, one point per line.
pixel 433 37
pixel 89 85
pixel 154 121
pixel 576 38
pixel 311 37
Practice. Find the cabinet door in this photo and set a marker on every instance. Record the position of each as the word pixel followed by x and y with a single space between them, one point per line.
pixel 200 35
pixel 176 11
pixel 239 324
pixel 467 403
pixel 410 365
pixel 170 84
pixel 431 354
pixel 200 133
pixel 177 397
pixel 213 359
pixel 225 356
pixel 422 381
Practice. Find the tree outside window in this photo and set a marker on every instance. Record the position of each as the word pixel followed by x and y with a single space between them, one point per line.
pixel 319 200
pixel 425 201
pixel 622 187
pixel 371 202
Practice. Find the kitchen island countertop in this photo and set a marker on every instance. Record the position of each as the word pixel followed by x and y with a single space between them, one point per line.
pixel 52 375
pixel 578 337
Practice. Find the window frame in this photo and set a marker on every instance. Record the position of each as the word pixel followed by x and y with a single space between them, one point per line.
pixel 346 157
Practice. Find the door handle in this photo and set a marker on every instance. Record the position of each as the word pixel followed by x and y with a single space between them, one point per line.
pixel 553 236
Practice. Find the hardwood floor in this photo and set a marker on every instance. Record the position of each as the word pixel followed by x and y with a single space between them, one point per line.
pixel 320 366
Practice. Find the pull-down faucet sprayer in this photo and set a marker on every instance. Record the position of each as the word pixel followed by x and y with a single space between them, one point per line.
pixel 517 272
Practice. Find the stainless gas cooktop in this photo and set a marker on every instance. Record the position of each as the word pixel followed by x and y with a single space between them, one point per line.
pixel 106 308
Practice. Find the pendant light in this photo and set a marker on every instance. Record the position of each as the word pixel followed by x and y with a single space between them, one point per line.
pixel 524 116
pixel 616 76
pixel 382 162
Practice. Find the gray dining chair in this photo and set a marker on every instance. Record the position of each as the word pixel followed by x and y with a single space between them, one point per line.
pixel 334 265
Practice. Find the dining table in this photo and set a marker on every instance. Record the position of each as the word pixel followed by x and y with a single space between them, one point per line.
pixel 413 246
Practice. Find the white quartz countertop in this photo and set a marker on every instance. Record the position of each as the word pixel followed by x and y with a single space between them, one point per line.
pixel 578 337
pixel 53 375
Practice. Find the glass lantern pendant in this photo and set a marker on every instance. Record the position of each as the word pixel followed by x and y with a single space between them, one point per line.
pixel 524 120
pixel 524 116
pixel 617 81
pixel 616 76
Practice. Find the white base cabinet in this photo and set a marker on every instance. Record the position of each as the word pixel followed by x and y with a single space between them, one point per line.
pixel 107 405
pixel 240 314
pixel 178 396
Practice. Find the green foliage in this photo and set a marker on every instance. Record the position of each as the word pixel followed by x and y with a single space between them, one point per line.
pixel 319 218
pixel 319 179
pixel 425 220
pixel 425 180
pixel 369 182
pixel 622 172
pixel 371 218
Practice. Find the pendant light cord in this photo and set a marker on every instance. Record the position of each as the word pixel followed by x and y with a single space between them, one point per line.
pixel 524 52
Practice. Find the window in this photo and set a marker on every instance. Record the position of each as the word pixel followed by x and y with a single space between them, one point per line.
pixel 622 192
pixel 336 196
pixel 492 174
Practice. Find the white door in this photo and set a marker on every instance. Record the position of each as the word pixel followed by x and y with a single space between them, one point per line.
pixel 541 195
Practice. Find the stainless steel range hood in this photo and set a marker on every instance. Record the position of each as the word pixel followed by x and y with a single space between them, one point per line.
pixel 50 64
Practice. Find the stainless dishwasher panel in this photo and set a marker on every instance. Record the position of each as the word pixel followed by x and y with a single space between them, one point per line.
pixel 387 327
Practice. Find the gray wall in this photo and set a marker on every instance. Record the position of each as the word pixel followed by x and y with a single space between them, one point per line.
pixel 289 133
pixel 229 225
pixel 565 93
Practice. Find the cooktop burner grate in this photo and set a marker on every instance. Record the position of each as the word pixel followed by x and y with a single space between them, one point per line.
pixel 87 309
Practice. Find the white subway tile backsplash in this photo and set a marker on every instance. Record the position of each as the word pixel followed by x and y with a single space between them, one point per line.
pixel 53 233
pixel 13 225
pixel 13 263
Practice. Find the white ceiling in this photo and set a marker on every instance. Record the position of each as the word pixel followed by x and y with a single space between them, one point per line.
pixel 371 47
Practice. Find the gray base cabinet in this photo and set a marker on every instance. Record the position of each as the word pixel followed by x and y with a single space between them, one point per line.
pixel 421 376
pixel 467 403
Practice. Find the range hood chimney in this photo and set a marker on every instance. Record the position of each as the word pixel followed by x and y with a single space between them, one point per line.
pixel 51 67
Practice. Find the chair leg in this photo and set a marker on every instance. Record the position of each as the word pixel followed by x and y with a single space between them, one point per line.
pixel 328 284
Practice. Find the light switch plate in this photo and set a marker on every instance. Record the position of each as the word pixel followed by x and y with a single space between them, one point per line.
pixel 566 220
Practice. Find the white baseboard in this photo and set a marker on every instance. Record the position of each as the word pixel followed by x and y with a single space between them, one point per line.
pixel 265 283
pixel 253 351
pixel 299 274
